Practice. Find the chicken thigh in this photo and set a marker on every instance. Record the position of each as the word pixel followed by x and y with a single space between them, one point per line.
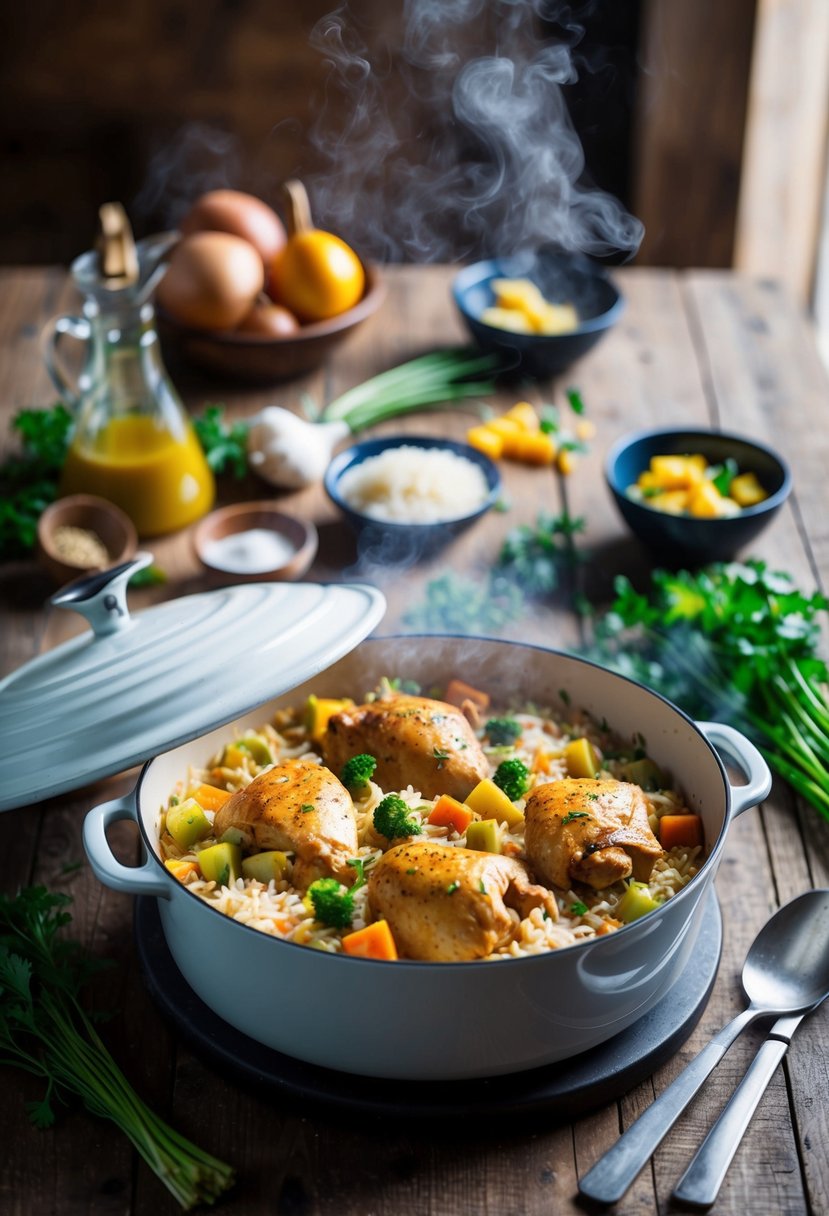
pixel 300 807
pixel 415 741
pixel 590 831
pixel 447 904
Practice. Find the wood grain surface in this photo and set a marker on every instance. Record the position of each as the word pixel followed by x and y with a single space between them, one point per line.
pixel 698 347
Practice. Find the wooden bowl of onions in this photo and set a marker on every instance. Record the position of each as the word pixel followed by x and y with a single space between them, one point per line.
pixel 263 358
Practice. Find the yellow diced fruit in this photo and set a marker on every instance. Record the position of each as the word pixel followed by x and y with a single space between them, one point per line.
pixel 490 802
pixel 746 490
pixel 264 866
pixel 187 823
pixel 530 449
pixel 484 835
pixel 557 319
pixel 507 318
pixel 485 440
pixel 672 502
pixel 566 462
pixel 517 293
pixel 676 472
pixel 581 759
pixel 504 426
pixel 317 712
pixel 524 414
pixel 706 502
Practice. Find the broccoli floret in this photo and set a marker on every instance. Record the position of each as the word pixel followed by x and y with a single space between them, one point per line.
pixel 391 818
pixel 502 731
pixel 357 773
pixel 333 903
pixel 513 777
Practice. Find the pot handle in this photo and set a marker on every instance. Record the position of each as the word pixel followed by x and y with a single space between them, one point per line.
pixel 138 880
pixel 738 748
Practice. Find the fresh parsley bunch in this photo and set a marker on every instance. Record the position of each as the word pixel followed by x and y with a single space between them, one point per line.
pixel 734 641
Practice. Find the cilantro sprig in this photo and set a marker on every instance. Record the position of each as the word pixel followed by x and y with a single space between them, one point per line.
pixel 46 1031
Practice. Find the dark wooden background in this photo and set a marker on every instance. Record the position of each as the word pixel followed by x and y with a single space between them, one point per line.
pixel 152 102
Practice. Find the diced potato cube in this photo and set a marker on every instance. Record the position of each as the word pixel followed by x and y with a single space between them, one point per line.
pixel 746 490
pixel 507 318
pixel 490 802
pixel 581 759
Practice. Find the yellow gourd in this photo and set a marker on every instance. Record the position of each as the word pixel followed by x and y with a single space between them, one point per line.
pixel 315 275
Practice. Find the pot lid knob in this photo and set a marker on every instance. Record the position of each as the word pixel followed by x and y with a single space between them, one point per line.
pixel 101 598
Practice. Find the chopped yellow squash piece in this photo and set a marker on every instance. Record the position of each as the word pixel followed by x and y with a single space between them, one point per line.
pixel 484 835
pixel 555 319
pixel 221 863
pixel 490 802
pixel 265 866
pixel 673 502
pixel 677 472
pixel 517 293
pixel 524 414
pixel 318 710
pixel 530 449
pixel 706 502
pixel 581 759
pixel 187 823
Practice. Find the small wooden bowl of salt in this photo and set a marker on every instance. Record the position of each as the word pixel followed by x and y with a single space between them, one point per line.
pixel 82 533
pixel 252 542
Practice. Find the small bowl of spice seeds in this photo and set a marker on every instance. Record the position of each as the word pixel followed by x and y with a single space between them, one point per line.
pixel 81 533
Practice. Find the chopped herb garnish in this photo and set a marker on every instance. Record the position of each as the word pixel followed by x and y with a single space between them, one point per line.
pixel 412 870
pixel 453 887
pixel 306 807
pixel 482 887
pixel 441 756
pixel 574 815
pixel 564 695
pixel 578 908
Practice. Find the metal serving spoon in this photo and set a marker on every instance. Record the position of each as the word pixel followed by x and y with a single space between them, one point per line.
pixel 786 972
pixel 701 1182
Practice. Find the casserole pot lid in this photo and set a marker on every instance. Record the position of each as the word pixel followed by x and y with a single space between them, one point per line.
pixel 137 685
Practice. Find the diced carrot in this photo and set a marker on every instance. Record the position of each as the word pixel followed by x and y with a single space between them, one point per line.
pixel 457 692
pixel 375 941
pixel 449 813
pixel 541 762
pixel 608 926
pixel 181 869
pixel 680 830
pixel 485 440
pixel 209 798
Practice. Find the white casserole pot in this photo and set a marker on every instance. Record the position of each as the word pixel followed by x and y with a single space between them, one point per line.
pixel 430 1021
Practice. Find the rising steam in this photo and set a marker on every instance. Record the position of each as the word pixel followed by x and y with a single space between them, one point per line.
pixel 441 146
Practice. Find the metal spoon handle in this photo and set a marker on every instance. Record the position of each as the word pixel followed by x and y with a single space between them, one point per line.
pixel 613 1173
pixel 701 1182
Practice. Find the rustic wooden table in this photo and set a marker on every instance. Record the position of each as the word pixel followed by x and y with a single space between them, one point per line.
pixel 695 348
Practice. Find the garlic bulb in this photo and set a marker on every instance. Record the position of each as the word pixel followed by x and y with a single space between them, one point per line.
pixel 290 452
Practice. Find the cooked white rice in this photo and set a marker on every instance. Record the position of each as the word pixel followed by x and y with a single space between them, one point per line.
pixel 412 485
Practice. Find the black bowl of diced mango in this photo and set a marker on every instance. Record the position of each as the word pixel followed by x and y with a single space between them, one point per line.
pixel 693 496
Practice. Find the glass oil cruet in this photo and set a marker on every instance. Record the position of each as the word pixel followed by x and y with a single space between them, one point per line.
pixel 133 442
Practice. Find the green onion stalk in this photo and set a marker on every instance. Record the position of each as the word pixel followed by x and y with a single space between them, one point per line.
pixel 45 1030
pixel 291 452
